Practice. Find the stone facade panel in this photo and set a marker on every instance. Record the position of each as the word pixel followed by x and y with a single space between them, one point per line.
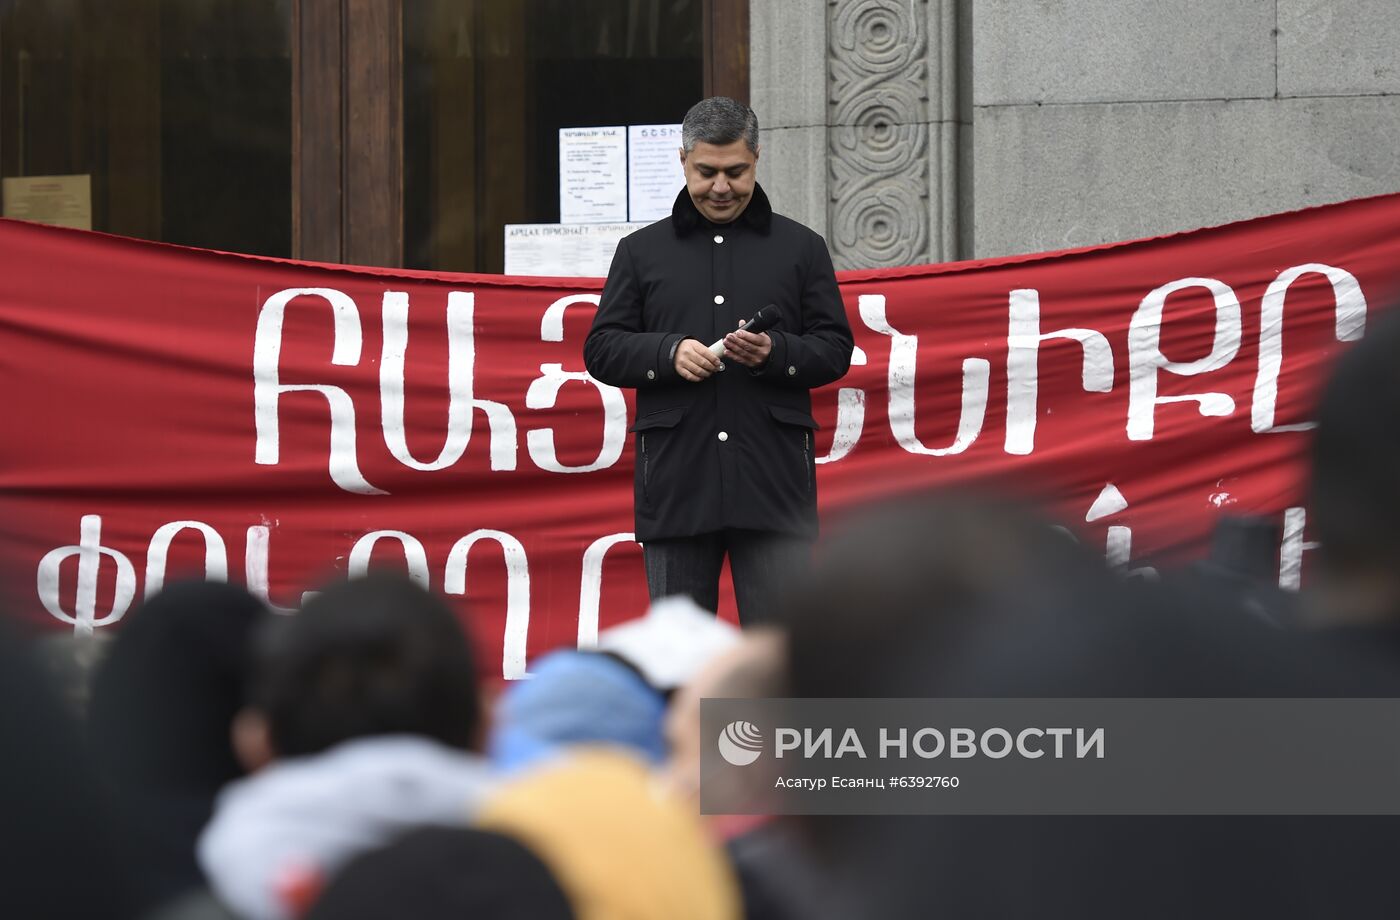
pixel 1338 47
pixel 1057 51
pixel 1052 177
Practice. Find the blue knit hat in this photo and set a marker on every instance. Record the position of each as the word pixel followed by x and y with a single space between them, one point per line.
pixel 577 698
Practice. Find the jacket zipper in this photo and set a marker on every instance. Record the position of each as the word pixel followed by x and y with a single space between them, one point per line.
pixel 807 456
pixel 646 469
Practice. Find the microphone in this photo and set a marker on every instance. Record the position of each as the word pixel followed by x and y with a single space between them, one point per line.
pixel 766 318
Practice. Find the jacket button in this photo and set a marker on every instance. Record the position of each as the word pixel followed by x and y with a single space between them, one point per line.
pixel 719 239
pixel 719 298
pixel 651 375
pixel 792 371
pixel 724 436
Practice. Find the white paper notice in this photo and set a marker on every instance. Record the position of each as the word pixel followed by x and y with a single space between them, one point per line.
pixel 654 170
pixel 592 175
pixel 563 250
pixel 64 201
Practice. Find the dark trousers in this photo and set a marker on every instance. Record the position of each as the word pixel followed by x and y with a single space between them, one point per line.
pixel 761 563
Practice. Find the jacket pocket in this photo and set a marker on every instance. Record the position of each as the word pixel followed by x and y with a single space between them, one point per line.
pixel 658 423
pixel 661 418
pixel 785 416
pixel 804 425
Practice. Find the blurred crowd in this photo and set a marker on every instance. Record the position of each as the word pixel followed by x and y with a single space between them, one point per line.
pixel 348 761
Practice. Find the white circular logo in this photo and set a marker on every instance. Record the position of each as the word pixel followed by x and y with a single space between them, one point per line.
pixel 740 743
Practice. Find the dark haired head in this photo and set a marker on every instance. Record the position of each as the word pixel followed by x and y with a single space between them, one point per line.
pixel 53 801
pixel 170 684
pixel 719 120
pixel 163 698
pixel 916 570
pixel 373 656
pixel 452 872
pixel 1355 498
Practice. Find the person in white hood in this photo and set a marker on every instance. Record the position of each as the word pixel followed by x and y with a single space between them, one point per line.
pixel 363 723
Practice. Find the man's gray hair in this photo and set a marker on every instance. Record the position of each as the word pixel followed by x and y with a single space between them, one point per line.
pixel 719 120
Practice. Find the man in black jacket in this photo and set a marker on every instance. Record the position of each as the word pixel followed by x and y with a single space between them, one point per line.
pixel 724 447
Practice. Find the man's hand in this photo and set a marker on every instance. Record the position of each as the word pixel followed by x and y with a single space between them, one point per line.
pixel 748 348
pixel 694 361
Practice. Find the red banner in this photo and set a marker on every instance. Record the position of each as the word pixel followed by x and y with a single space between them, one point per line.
pixel 176 412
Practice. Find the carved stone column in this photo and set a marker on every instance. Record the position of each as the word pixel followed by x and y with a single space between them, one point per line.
pixel 890 121
pixel 878 141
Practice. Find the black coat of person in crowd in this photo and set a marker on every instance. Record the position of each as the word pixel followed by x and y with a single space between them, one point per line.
pixel 721 446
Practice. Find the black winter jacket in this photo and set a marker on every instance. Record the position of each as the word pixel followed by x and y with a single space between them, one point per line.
pixel 735 450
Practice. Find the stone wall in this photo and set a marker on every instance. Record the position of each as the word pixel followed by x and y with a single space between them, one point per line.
pixel 858 99
pixel 925 130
